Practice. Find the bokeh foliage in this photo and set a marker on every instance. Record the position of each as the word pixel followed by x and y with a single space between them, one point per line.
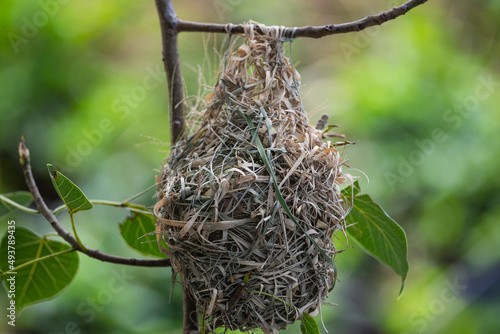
pixel 419 95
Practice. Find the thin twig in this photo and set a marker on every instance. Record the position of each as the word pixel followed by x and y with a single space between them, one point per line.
pixel 307 31
pixel 56 225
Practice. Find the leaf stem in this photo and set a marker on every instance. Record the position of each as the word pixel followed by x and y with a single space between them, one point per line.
pixel 82 246
pixel 18 206
pixel 124 204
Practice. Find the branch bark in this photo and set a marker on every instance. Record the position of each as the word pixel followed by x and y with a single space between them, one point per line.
pixel 24 159
pixel 189 311
pixel 169 29
pixel 308 31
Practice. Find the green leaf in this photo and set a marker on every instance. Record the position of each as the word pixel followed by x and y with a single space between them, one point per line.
pixel 44 267
pixel 308 325
pixel 351 190
pixel 137 226
pixel 73 197
pixel 23 198
pixel 379 235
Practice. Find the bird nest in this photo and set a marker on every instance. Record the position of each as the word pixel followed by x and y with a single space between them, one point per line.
pixel 248 204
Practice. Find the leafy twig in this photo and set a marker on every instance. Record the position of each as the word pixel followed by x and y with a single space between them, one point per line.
pixel 24 159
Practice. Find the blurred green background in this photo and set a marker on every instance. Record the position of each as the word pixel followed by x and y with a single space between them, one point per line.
pixel 83 82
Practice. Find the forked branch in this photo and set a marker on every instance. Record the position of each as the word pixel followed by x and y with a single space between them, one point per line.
pixel 171 26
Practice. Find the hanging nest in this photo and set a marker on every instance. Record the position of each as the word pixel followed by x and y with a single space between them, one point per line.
pixel 244 259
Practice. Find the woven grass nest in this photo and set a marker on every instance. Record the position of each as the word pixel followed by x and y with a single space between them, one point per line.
pixel 245 261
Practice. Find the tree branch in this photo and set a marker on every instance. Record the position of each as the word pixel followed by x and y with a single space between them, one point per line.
pixel 308 31
pixel 171 25
pixel 189 310
pixel 169 28
pixel 24 159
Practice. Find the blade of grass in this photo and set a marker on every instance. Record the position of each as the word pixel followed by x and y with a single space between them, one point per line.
pixel 281 200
